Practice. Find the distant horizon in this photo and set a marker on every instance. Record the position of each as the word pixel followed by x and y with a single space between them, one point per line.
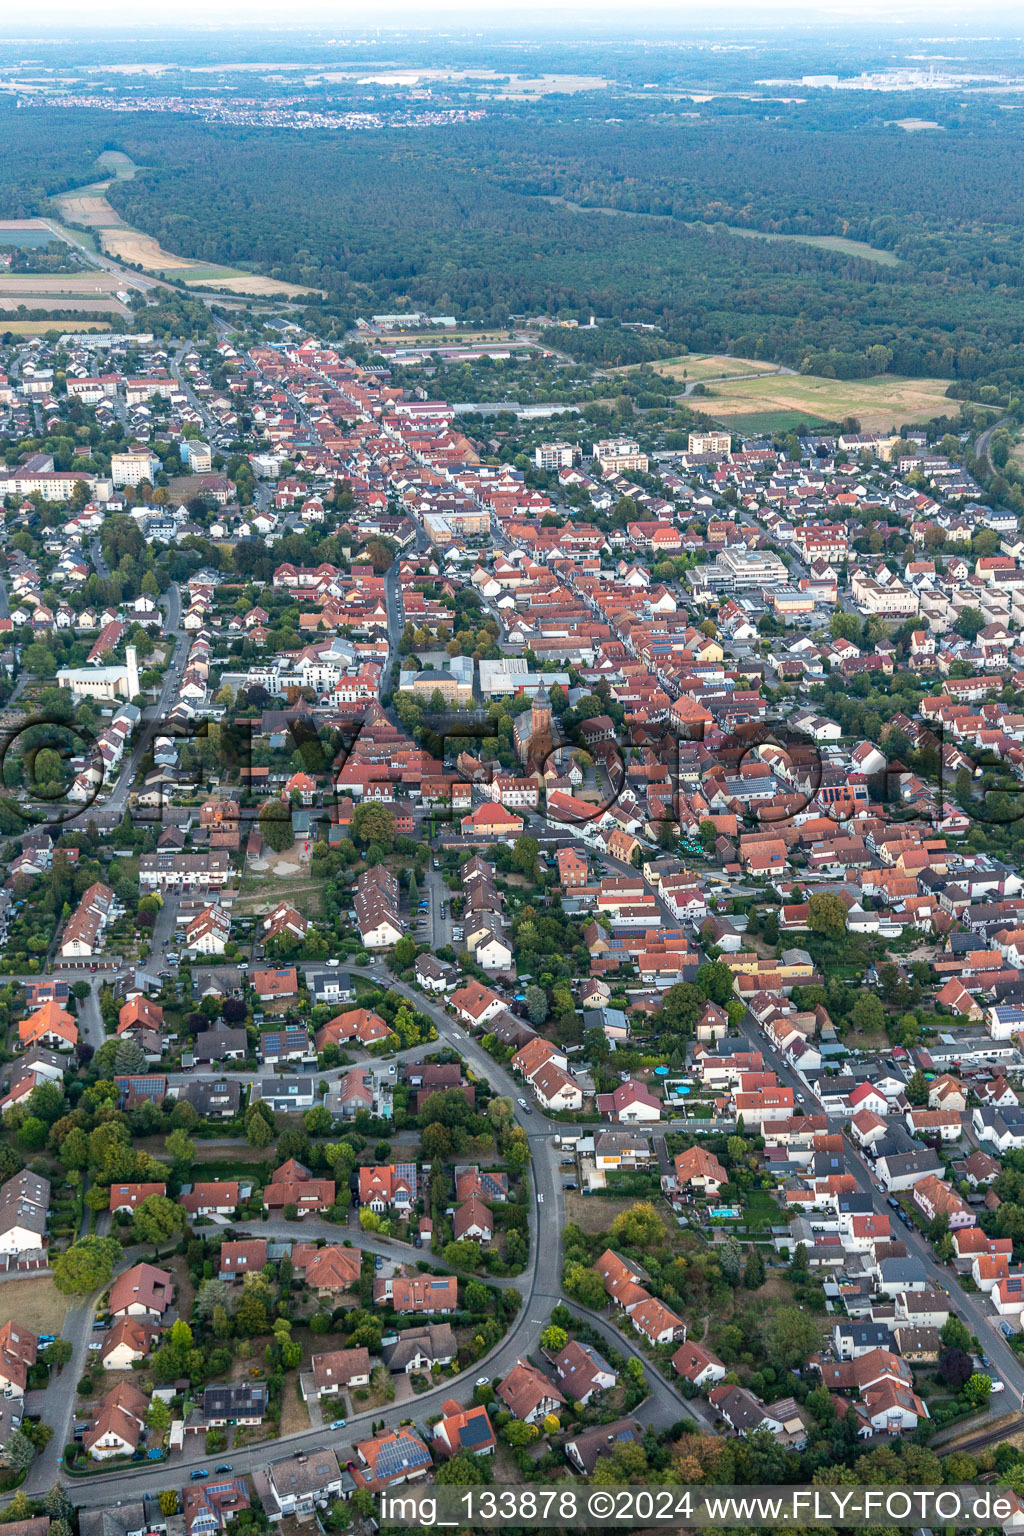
pixel 661 21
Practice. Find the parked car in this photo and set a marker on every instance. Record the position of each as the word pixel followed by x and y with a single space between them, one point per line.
pixel 225 1466
pixel 338 1423
pixel 199 1473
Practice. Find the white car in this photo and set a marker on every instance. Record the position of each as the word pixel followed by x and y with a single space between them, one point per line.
pixel 483 1381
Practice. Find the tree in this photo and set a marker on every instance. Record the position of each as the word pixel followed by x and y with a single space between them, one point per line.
pixel 57 1504
pixel 714 982
pixel 156 1219
pixel 639 1227
pixel 867 1013
pixel 436 1141
pixel 552 1424
pixel 954 1334
pixel 180 1147
pixel 18 1452
pixel 969 624
pixel 86 1265
pixel 753 1274
pixel 585 1285
pixel 373 823
pixel 844 626
pixel 158 1416
pixel 462 1471
pixel 554 1339
pixel 790 1336
pixel 519 1435
pixel 275 819
pixel 536 1004
pixel 917 1088
pixel 955 1367
pixel 730 1260
pixel 169 1501
pixel 258 1133
pixel 826 915
pixel 318 1120
pixel 977 1390
pixel 251 1317
pixel 57 1354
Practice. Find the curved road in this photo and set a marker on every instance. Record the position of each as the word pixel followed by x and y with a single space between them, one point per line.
pixel 539 1284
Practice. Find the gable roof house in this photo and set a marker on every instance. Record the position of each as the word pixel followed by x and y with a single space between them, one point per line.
pixel 528 1394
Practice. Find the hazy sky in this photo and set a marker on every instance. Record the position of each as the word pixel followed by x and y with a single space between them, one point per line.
pixel 570 17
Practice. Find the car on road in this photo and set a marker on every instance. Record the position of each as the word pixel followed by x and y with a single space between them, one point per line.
pixel 893 1202
pixel 525 1107
pixel 338 1423
pixel 881 1190
pixel 332 963
pixel 998 1386
pixel 483 1381
pixel 200 1472
pixel 225 1466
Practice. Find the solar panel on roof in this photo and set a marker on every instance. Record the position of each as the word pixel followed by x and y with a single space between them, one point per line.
pixel 475 1431
pixel 399 1455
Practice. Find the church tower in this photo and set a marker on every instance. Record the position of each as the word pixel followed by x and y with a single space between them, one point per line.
pixel 541 735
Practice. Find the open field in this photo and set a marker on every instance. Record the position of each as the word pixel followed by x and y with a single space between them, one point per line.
pixel 780 401
pixel 92 281
pixel 88 206
pixel 682 370
pixel 838 243
pixel 594 1213
pixel 25 232
pixel 40 327
pixel 823 242
pixel 34 1303
pixel 107 305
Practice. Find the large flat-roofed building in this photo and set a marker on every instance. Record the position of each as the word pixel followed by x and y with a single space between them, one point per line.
pixel 511 674
pixel 133 466
pixel 710 442
pixel 738 569
pixel 617 453
pixel 556 455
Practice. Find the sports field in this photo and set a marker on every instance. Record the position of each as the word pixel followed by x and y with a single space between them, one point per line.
pixel 781 401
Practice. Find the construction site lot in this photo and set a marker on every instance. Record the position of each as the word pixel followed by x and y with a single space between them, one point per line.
pixel 779 402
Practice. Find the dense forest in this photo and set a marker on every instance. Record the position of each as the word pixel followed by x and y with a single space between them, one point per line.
pixel 475 221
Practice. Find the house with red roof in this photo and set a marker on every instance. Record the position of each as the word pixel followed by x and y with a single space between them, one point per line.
pixel 630 1104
